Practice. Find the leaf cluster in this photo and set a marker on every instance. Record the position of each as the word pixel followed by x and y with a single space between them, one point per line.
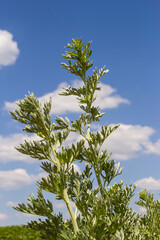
pixel 150 221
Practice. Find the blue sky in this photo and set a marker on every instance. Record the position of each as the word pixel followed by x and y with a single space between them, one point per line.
pixel 126 38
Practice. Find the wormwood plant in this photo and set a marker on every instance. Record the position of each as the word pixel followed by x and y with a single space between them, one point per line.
pixel 102 212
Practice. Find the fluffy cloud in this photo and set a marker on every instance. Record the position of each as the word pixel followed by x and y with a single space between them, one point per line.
pixel 16 179
pixel 153 147
pixel 7 150
pixel 8 49
pixel 3 216
pixel 128 140
pixel 76 168
pixel 11 204
pixel 149 183
pixel 62 205
pixel 62 104
pixel 108 98
pixel 26 216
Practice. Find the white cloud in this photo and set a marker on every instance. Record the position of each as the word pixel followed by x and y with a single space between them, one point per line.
pixel 149 183
pixel 129 140
pixel 11 204
pixel 3 216
pixel 154 147
pixel 62 205
pixel 9 153
pixel 76 168
pixel 27 215
pixel 107 98
pixel 8 49
pixel 16 179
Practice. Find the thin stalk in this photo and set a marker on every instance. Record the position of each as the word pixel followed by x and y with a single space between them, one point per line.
pixel 66 198
pixel 88 131
pixel 73 218
pixel 99 181
pixel 88 121
pixel 57 161
pixel 76 212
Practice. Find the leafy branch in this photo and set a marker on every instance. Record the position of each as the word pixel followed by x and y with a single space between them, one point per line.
pixel 102 212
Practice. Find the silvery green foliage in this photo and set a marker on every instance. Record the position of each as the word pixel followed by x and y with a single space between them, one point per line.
pixel 101 213
pixel 150 221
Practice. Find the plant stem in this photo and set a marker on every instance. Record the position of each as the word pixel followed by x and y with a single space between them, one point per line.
pixel 99 181
pixel 88 131
pixel 57 161
pixel 73 218
pixel 66 198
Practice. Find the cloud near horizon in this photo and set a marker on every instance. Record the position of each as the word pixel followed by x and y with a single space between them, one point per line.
pixel 3 216
pixel 8 49
pixel 62 104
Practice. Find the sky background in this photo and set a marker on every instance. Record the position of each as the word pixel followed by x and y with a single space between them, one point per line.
pixel 125 37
